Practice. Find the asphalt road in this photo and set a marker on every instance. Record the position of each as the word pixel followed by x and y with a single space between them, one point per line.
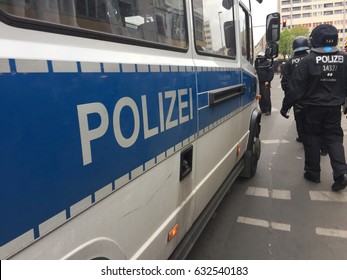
pixel 277 214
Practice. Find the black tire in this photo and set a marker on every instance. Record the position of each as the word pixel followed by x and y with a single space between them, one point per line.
pixel 252 156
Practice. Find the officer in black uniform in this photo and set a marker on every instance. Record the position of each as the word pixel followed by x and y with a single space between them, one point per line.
pixel 300 50
pixel 265 76
pixel 319 85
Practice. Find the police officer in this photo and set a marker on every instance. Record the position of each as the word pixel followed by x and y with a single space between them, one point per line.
pixel 300 50
pixel 319 84
pixel 265 76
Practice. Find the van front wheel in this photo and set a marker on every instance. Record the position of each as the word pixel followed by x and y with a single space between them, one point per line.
pixel 252 156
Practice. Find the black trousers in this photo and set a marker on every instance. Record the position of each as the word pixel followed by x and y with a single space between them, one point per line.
pixel 265 100
pixel 298 115
pixel 323 123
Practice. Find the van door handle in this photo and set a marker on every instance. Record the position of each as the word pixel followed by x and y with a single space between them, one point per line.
pixel 222 94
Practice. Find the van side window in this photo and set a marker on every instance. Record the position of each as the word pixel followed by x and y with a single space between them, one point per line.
pixel 159 21
pixel 251 42
pixel 214 28
pixel 246 36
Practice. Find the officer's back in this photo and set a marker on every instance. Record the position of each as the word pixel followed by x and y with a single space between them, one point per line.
pixel 319 83
pixel 323 73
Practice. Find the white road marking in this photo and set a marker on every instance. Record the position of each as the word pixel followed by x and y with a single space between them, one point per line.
pixel 280 194
pixel 280 226
pixel 263 223
pixel 331 232
pixel 328 196
pixel 275 141
pixel 263 192
pixel 258 192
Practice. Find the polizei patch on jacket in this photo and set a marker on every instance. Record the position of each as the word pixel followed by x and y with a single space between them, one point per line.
pixel 296 60
pixel 329 59
pixel 330 66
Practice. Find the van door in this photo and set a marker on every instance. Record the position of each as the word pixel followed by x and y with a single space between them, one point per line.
pixel 219 90
pixel 247 65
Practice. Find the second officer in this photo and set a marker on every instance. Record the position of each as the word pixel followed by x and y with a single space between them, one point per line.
pixel 300 50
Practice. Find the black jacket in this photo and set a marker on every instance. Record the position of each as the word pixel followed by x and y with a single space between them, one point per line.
pixel 319 79
pixel 265 74
pixel 289 67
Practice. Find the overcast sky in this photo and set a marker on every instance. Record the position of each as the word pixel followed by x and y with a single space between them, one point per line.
pixel 260 11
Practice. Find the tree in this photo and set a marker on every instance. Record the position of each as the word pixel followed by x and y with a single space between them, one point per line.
pixel 285 43
pixel 287 38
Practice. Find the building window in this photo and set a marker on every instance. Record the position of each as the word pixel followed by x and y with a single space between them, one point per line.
pixel 309 7
pixel 285 2
pixel 328 22
pixel 328 5
pixel 295 9
pixel 327 13
pixel 285 10
pixel 296 1
pixel 306 15
pixel 338 12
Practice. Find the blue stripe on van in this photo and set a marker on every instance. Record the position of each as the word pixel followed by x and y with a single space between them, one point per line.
pixel 41 156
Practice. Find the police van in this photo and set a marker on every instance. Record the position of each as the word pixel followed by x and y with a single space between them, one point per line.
pixel 123 123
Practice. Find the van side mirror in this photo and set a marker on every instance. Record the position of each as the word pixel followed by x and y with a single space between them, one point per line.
pixel 273 31
pixel 272 35
pixel 273 27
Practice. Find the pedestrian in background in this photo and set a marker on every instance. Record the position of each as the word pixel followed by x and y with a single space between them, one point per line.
pixel 319 85
pixel 265 75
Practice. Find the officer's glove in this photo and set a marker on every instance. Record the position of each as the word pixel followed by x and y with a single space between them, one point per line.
pixel 284 112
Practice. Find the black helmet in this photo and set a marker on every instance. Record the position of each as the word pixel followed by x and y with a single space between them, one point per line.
pixel 324 38
pixel 300 44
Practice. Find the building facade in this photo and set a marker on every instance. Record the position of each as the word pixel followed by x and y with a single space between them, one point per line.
pixel 312 13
